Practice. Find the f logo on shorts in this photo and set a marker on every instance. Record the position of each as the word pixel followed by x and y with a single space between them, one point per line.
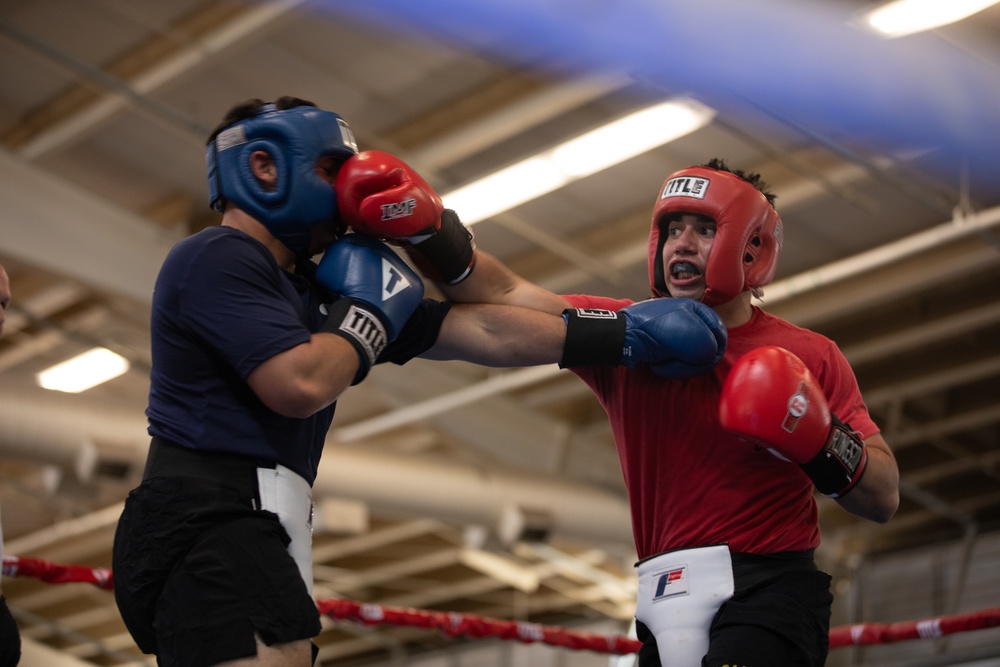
pixel 670 583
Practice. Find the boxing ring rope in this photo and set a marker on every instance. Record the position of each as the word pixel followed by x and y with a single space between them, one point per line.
pixel 52 573
pixel 455 624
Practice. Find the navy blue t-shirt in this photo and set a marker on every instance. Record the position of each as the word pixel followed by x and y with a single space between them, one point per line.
pixel 221 306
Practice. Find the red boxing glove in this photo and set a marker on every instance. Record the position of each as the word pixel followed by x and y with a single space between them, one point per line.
pixel 771 397
pixel 380 195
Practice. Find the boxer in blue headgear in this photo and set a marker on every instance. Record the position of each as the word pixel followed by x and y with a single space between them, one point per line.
pixel 296 138
pixel 251 347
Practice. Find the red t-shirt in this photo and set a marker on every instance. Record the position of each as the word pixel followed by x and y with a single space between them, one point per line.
pixel 692 484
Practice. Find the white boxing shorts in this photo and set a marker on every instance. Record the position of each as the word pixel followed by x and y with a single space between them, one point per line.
pixel 288 495
pixel 679 594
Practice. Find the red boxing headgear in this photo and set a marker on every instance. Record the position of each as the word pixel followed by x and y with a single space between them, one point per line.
pixel 747 238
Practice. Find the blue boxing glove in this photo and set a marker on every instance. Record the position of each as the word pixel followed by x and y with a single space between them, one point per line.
pixel 677 338
pixel 690 336
pixel 378 293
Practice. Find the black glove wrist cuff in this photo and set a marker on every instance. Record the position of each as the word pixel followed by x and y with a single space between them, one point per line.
pixel 448 255
pixel 360 327
pixel 840 464
pixel 594 336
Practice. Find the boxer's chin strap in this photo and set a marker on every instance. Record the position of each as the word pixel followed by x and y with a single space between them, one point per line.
pixel 594 337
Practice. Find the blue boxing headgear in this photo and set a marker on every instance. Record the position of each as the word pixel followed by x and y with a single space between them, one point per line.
pixel 295 139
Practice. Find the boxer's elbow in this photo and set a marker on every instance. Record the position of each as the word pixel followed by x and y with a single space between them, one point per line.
pixel 297 386
pixel 294 400
pixel 884 509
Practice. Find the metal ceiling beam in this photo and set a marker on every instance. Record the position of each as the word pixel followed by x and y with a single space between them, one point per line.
pixel 47 221
pixel 884 284
pixel 924 334
pixel 514 119
pixel 958 228
pixel 376 538
pixel 987 464
pixel 350 582
pixel 968 420
pixel 120 94
pixel 508 122
pixel 933 382
pixel 442 403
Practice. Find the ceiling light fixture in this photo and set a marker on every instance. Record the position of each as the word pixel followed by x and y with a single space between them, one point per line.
pixel 83 371
pixel 577 158
pixel 905 17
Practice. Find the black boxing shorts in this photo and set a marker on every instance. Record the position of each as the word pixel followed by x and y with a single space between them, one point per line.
pixel 199 571
pixel 10 637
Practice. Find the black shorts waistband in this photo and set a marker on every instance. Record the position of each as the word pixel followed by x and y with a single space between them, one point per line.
pixel 756 569
pixel 168 459
pixel 804 560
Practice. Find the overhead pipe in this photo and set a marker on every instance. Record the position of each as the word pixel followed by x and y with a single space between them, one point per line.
pixel 470 494
pixel 35 430
pixel 65 432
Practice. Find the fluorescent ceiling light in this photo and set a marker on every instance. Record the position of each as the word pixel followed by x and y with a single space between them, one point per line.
pixel 577 158
pixel 905 17
pixel 83 371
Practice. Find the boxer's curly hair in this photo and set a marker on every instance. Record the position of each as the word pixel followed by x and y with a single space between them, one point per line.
pixel 251 108
pixel 752 178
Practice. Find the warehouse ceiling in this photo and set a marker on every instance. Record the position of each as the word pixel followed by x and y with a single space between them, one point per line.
pixel 445 485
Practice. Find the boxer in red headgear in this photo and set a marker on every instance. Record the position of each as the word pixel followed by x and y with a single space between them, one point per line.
pixel 720 460
pixel 747 231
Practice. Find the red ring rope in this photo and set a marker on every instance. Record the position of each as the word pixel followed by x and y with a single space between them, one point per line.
pixel 454 624
pixel 14 566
